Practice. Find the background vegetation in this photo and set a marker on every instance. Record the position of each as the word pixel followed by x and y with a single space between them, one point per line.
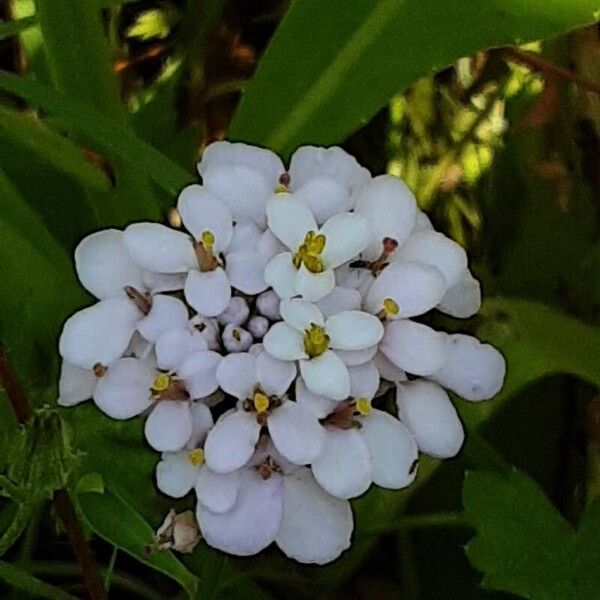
pixel 105 106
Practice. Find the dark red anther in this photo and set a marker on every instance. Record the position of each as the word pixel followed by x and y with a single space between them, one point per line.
pixel 389 244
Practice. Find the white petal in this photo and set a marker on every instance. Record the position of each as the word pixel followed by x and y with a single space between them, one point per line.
pixel 325 197
pixel 290 219
pixel 252 524
pixel 275 376
pixel 201 211
pixel 414 347
pixel 416 288
pixel 104 266
pixel 124 391
pixel 326 375
pixel 338 300
pixel 320 406
pixel 163 282
pixel 258 326
pixel 209 292
pixel 169 426
pixel 343 469
pixel 243 189
pixel 268 246
pixel 246 236
pixel 175 474
pixel 351 358
pixel 202 423
pixel 158 248
pixel 314 286
pixel 217 492
pixel 388 370
pixel 391 210
pixel 199 373
pixel 300 314
pixel 208 328
pixel 167 313
pixel 284 342
pixel 347 235
pixel 424 407
pixel 75 384
pixel 175 345
pixel 296 433
pixel 435 249
pixel 462 300
pixel 231 442
pixel 473 370
pixel 99 333
pixel 309 162
pixel 319 534
pixel 354 278
pixel 353 330
pixel 364 380
pixel 267 163
pixel 392 448
pixel 236 375
pixel 280 274
pixel 246 272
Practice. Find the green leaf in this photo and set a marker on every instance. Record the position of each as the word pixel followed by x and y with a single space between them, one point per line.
pixel 523 544
pixel 320 87
pixel 116 140
pixel 106 513
pixel 9 29
pixel 28 584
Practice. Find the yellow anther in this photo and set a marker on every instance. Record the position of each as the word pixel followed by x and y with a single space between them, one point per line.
pixel 310 252
pixel 196 457
pixel 208 240
pixel 261 402
pixel 161 382
pixel 390 307
pixel 281 189
pixel 363 406
pixel 316 341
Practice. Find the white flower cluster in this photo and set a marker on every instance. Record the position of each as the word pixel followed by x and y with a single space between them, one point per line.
pixel 257 342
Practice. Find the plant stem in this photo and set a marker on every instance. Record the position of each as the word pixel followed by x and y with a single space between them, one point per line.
pixel 61 502
pixel 408 522
pixel 538 63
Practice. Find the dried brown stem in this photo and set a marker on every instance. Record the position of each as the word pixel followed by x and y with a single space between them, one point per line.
pixel 61 502
pixel 540 64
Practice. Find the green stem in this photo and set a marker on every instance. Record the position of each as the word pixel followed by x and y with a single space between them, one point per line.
pixel 110 570
pixel 9 29
pixel 409 522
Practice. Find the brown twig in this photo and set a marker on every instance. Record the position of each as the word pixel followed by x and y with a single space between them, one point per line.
pixel 61 502
pixel 540 64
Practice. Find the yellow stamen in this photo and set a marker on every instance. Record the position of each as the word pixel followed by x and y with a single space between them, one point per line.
pixel 161 382
pixel 196 457
pixel 281 189
pixel 310 252
pixel 363 406
pixel 208 240
pixel 390 307
pixel 316 341
pixel 261 402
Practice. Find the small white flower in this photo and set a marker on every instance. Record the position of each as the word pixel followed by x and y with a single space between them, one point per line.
pixel 75 384
pixel 363 445
pixel 306 336
pixel 260 383
pixel 236 339
pixel 308 269
pixel 266 502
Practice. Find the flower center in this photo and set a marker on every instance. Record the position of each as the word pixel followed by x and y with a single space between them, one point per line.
pixel 363 406
pixel 261 402
pixel 196 457
pixel 165 387
pixel 310 252
pixel 267 468
pixel 283 184
pixel 142 301
pixel 316 341
pixel 261 405
pixel 207 261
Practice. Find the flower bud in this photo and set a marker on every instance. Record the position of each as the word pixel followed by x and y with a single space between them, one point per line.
pixel 267 304
pixel 258 326
pixel 236 339
pixel 236 313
